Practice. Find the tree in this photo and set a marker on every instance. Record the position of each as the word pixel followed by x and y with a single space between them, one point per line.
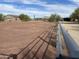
pixel 75 15
pixel 54 17
pixel 1 17
pixel 24 17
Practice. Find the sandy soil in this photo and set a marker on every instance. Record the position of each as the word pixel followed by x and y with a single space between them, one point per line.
pixel 15 36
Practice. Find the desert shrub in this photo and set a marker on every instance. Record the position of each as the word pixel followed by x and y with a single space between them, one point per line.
pixel 54 18
pixel 75 15
pixel 1 17
pixel 24 17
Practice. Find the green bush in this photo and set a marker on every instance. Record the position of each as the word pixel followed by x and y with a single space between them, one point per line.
pixel 54 18
pixel 24 17
pixel 1 17
pixel 75 15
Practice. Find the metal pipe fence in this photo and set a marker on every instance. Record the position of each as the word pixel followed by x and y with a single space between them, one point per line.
pixel 72 46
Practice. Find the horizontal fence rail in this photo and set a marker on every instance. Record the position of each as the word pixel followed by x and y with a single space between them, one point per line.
pixel 73 48
pixel 59 44
pixel 72 45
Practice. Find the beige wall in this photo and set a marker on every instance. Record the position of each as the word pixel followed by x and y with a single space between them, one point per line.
pixel 11 18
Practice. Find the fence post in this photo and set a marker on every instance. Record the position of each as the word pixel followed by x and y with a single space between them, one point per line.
pixel 13 56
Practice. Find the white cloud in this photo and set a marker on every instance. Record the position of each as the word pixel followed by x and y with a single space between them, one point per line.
pixel 63 10
pixel 38 2
pixel 10 9
pixel 26 1
pixel 75 1
pixel 6 7
pixel 11 0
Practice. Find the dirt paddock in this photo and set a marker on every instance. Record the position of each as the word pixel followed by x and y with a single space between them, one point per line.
pixel 14 37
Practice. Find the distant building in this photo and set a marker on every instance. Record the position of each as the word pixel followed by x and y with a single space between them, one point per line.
pixel 43 19
pixel 66 19
pixel 37 18
pixel 11 18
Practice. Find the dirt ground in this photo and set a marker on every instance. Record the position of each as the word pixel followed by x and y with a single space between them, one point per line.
pixel 15 36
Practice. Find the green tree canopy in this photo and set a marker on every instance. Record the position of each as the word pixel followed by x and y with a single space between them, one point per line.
pixel 54 17
pixel 75 14
pixel 24 17
pixel 1 17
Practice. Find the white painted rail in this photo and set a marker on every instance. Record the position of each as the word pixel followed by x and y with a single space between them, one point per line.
pixel 71 44
pixel 59 42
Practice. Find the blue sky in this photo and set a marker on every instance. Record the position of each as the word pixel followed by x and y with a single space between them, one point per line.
pixel 39 8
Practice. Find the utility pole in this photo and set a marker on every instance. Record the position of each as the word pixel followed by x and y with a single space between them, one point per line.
pixel 34 17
